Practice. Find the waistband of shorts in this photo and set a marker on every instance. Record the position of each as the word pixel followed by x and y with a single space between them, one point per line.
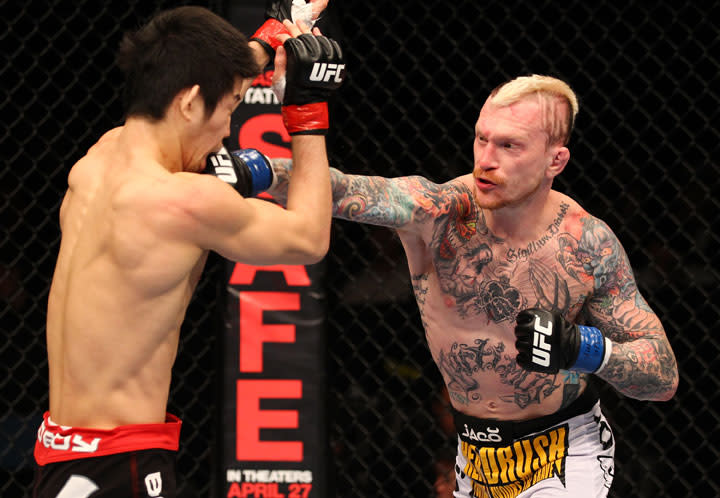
pixel 479 430
pixel 59 443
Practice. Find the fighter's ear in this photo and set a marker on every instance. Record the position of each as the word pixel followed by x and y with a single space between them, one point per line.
pixel 190 102
pixel 561 156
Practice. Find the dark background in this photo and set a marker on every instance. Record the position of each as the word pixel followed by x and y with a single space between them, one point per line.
pixel 644 159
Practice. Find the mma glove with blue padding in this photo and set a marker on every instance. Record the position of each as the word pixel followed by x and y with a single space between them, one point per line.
pixel 246 170
pixel 547 343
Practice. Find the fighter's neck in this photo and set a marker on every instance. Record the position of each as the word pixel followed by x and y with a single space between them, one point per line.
pixel 523 222
pixel 157 139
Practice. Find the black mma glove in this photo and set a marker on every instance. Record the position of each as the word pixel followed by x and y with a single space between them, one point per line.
pixel 276 11
pixel 246 170
pixel 314 69
pixel 546 342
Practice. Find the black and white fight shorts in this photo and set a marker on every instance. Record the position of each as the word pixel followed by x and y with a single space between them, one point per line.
pixel 567 454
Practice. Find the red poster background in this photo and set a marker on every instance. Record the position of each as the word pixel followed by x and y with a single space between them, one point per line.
pixel 274 432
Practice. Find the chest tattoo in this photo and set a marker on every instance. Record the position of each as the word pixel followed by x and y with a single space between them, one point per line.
pixel 472 270
pixel 523 253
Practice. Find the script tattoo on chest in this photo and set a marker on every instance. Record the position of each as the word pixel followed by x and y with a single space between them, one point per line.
pixel 523 253
pixel 481 282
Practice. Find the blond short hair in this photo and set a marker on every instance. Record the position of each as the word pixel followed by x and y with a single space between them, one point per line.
pixel 558 120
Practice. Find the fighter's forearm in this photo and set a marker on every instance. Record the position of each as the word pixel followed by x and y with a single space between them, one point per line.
pixel 279 190
pixel 364 199
pixel 644 368
pixel 283 172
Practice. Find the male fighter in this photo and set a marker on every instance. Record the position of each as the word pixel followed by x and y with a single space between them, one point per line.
pixel 503 267
pixel 137 224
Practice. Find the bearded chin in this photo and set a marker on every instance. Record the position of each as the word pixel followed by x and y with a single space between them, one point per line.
pixel 485 202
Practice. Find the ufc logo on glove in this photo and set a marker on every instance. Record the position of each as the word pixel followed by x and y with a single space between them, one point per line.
pixel 541 349
pixel 548 343
pixel 323 71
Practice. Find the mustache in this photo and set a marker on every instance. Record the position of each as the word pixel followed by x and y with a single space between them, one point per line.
pixel 487 178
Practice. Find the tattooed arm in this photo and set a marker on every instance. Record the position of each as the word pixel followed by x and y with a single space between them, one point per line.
pixel 642 364
pixel 391 202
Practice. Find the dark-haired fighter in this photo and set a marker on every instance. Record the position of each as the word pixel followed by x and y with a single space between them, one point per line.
pixel 137 224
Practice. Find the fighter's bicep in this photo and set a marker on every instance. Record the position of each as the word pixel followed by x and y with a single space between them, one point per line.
pixel 617 306
pixel 271 234
pixel 203 210
pixel 246 229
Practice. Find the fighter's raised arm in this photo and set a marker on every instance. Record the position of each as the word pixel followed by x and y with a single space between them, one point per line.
pixel 408 203
pixel 522 294
pixel 141 212
pixel 252 230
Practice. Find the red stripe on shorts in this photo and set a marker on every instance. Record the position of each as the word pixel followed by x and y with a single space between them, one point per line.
pixel 57 443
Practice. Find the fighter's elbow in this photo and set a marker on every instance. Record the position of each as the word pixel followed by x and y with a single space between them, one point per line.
pixel 665 390
pixel 673 379
pixel 672 388
pixel 313 249
pixel 316 255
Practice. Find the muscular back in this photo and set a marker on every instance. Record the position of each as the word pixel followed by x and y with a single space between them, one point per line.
pixel 119 293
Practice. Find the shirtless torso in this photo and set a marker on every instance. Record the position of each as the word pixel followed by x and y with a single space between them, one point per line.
pixel 486 246
pixel 121 286
pixel 135 238
pixel 137 223
pixel 470 285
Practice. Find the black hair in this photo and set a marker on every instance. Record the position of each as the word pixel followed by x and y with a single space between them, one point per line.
pixel 177 49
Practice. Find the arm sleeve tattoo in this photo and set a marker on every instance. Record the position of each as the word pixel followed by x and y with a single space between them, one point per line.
pixel 642 364
pixel 376 200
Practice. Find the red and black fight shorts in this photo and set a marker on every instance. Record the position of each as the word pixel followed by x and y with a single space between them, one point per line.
pixel 130 461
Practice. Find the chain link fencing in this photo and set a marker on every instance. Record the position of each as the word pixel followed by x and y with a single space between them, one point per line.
pixel 644 159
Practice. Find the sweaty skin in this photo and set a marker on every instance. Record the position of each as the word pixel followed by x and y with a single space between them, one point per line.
pixel 120 289
pixel 470 281
pixel 137 224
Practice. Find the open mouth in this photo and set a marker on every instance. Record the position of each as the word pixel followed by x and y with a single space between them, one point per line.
pixel 484 182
